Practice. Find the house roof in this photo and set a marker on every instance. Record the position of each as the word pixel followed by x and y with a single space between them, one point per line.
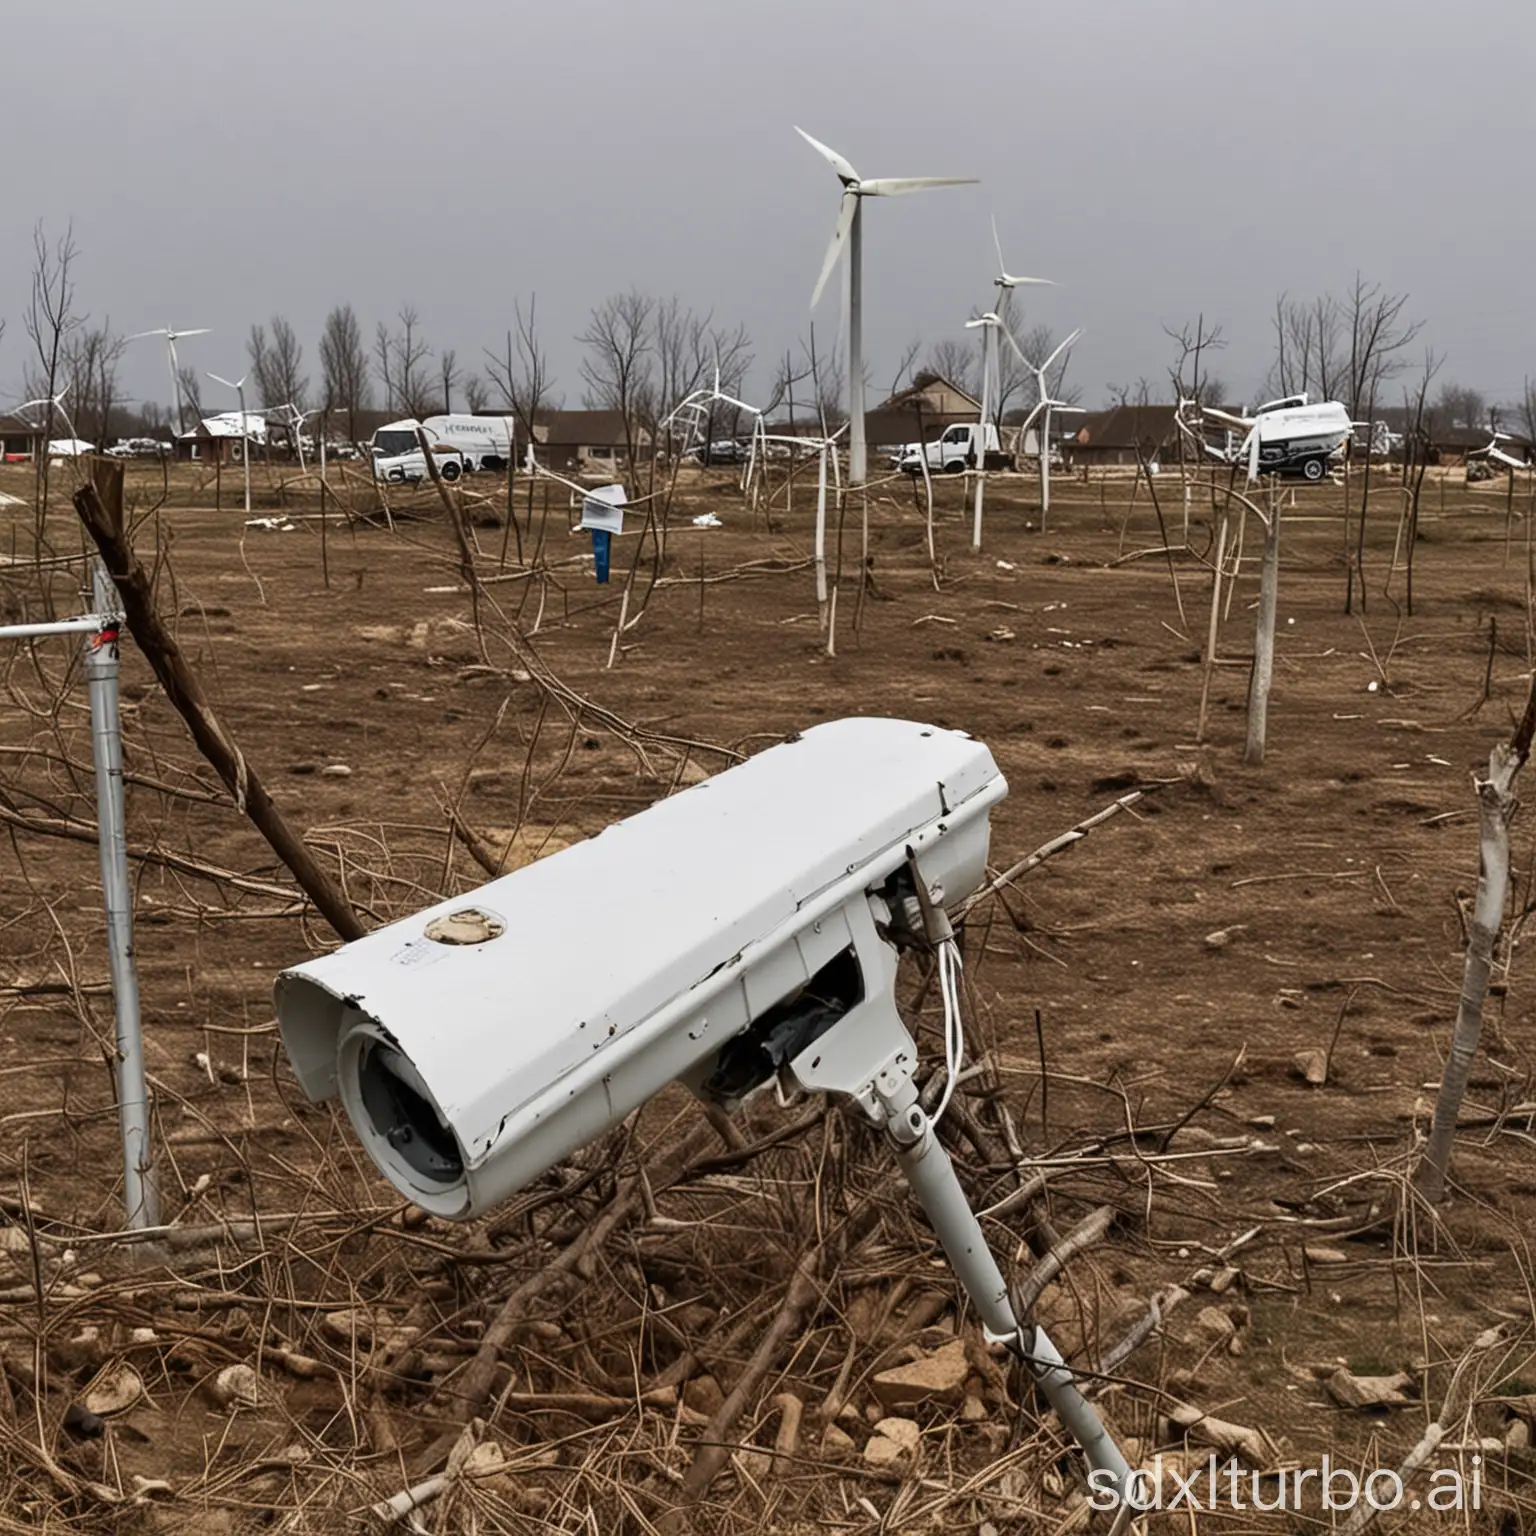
pixel 1150 427
pixel 227 424
pixel 922 388
pixel 583 429
pixel 18 426
pixel 885 426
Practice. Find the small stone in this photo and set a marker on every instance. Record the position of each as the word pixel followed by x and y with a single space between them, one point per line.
pixel 1316 1254
pixel 1263 1122
pixel 336 771
pixel 1224 1279
pixel 894 1440
pixel 237 1386
pixel 1352 1391
pixel 114 1391
pixel 938 1377
pixel 1312 1064
pixel 1219 939
pixel 1518 1436
pixel 836 1445
pixel 703 1395
pixel 1215 1323
pixel 143 1336
pixel 973 1409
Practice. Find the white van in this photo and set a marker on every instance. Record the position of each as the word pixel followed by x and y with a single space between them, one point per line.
pixel 460 445
pixel 952 453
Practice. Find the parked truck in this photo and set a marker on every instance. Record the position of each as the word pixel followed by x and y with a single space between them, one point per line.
pixel 460 445
pixel 963 446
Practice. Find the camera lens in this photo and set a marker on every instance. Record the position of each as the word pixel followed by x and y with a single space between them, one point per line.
pixel 401 1112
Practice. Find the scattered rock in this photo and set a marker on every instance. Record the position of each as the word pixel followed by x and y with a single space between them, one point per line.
pixel 1316 1254
pixel 115 1390
pixel 1220 938
pixel 336 771
pixel 938 1377
pixel 1353 1391
pixel 1311 1064
pixel 894 1441
pixel 1262 1122
pixel 1215 1323
pixel 1518 1436
pixel 237 1386
pixel 703 1395
pixel 836 1445
pixel 973 1409
pixel 1224 1279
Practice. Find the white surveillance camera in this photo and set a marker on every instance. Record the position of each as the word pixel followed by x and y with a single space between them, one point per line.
pixel 738 927
pixel 743 932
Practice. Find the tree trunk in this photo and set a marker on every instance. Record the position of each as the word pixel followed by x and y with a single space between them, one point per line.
pixel 102 514
pixel 1264 641
pixel 1496 805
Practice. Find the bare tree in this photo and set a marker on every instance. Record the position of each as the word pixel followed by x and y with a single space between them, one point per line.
pixel 448 377
pixel 618 366
pixel 477 393
pixel 263 369
pixel 521 372
pixel 1191 379
pixel 191 392
pixel 344 363
pixel 1459 406
pixel 88 368
pixel 957 361
pixel 49 319
pixel 288 365
pixel 401 360
pixel 1525 411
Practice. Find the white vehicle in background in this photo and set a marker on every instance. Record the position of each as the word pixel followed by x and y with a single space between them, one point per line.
pixel 957 449
pixel 460 445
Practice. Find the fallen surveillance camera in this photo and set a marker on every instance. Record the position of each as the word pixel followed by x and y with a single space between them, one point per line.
pixel 742 933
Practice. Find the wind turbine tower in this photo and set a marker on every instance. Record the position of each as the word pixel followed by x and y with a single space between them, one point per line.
pixel 849 232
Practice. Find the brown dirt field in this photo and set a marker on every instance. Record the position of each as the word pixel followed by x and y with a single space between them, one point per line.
pixel 1178 959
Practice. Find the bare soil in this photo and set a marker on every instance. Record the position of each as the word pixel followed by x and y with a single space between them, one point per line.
pixel 1140 1001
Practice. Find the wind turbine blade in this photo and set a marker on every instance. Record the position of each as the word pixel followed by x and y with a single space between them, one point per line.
pixel 997 243
pixel 1046 368
pixel 1008 337
pixel 139 335
pixel 201 331
pixel 845 217
pixel 1252 445
pixel 831 156
pixel 1008 280
pixel 899 186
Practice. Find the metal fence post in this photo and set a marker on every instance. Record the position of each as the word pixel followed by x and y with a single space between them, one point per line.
pixel 140 1198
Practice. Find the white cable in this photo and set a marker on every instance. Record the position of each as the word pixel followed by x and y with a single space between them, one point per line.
pixel 954 1027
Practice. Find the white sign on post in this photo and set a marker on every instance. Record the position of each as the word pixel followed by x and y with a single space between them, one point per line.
pixel 602 509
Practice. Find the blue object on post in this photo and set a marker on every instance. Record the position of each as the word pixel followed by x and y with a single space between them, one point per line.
pixel 602 514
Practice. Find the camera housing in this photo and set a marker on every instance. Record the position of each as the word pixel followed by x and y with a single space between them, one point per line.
pixel 740 931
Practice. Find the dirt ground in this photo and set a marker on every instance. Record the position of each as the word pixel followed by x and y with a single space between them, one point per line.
pixel 1140 1001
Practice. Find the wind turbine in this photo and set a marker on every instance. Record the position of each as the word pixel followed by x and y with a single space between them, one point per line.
pixel 849 231
pixel 171 338
pixel 988 324
pixel 1005 281
pixel 54 403
pixel 245 431
pixel 1044 405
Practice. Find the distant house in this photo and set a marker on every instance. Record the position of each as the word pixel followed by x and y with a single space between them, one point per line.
pixel 1455 445
pixel 931 394
pixel 1122 435
pixel 222 439
pixel 20 439
pixel 578 441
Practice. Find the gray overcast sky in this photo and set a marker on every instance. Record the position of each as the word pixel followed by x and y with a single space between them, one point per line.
pixel 223 163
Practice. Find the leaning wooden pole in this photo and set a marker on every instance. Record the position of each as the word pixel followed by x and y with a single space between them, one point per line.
pixel 1496 806
pixel 100 505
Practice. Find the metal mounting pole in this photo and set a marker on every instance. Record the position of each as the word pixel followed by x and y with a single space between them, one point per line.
pixel 932 1176
pixel 101 668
